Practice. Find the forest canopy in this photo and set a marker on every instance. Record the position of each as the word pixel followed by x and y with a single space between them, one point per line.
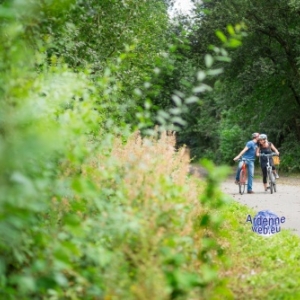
pixel 259 90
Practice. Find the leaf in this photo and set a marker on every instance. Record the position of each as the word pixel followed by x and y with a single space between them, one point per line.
pixel 223 58
pixel 234 43
pixel 161 120
pixel 208 273
pixel 202 88
pixel 192 99
pixel 179 94
pixel 204 220
pixel 201 75
pixel 60 279
pixel 176 100
pixel 208 60
pixel 26 283
pixel 20 178
pixel 107 72
pixel 175 111
pixel 147 105
pixel 214 72
pixel 221 36
pixel 230 30
pixel 224 52
pixel 147 84
pixel 163 114
pixel 138 92
pixel 178 120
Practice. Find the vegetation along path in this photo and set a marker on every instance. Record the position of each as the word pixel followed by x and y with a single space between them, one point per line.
pixel 285 202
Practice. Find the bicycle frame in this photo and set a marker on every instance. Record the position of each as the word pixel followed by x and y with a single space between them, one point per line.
pixel 270 174
pixel 243 182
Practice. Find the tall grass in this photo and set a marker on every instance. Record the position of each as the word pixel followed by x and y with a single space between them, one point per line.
pixel 127 224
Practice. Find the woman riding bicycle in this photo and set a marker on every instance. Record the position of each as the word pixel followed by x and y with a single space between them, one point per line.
pixel 266 147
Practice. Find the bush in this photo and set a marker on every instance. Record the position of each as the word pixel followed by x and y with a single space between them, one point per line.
pixel 128 225
pixel 232 141
pixel 87 210
pixel 290 154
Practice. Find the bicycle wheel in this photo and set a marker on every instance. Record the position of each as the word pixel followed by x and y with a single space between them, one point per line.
pixel 273 179
pixel 241 188
pixel 270 173
pixel 242 183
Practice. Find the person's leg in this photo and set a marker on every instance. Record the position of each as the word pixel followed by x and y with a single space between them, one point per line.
pixel 250 165
pixel 237 176
pixel 264 172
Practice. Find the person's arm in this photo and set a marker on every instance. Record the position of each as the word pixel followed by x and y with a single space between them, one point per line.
pixel 257 151
pixel 241 153
pixel 274 149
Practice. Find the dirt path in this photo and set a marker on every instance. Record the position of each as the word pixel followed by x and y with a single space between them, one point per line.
pixel 285 202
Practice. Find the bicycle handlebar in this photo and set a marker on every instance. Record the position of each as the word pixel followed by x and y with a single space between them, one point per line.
pixel 245 159
pixel 268 155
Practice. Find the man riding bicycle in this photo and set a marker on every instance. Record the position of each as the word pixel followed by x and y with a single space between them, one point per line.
pixel 248 154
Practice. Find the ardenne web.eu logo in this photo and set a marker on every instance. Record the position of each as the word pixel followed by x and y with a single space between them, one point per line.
pixel 266 223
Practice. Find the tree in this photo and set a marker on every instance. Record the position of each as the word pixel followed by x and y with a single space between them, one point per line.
pixel 259 90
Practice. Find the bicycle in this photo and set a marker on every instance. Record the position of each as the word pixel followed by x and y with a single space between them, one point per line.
pixel 270 174
pixel 243 176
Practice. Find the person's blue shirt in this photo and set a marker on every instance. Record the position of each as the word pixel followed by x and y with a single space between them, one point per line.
pixel 250 153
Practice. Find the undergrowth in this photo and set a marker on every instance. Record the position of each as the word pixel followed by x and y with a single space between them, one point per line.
pixel 126 223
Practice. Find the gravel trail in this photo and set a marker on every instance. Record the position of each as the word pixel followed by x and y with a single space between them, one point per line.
pixel 285 202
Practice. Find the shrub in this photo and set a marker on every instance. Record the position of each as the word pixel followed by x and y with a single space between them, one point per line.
pixel 128 225
pixel 290 155
pixel 231 142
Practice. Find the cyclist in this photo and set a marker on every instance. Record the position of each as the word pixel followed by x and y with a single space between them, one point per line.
pixel 248 153
pixel 266 147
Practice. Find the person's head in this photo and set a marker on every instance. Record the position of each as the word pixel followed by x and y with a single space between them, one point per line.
pixel 263 138
pixel 255 136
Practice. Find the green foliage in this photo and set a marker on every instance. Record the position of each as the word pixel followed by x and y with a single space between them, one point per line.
pixel 259 90
pixel 204 120
pixel 211 219
pixel 232 140
pixel 290 159
pixel 89 211
pixel 99 35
